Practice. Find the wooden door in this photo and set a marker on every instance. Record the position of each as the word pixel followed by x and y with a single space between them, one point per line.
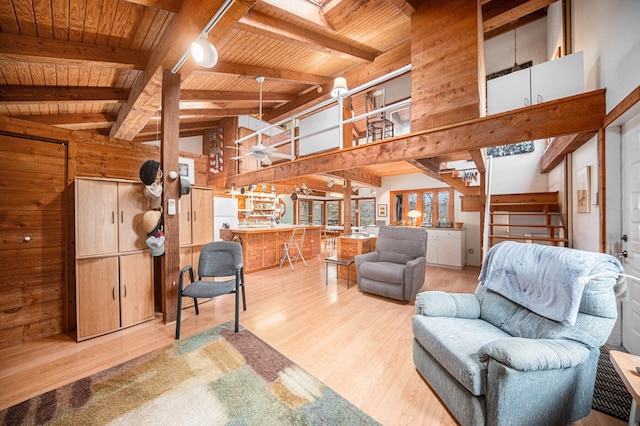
pixel 132 204
pixel 96 217
pixel 136 289
pixel 34 239
pixel 202 215
pixel 97 292
pixel 631 229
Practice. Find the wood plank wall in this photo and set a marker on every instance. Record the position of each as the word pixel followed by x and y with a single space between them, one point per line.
pixel 446 41
pixel 29 310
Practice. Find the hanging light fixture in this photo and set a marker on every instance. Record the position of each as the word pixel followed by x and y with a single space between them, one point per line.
pixel 204 53
pixel 203 36
pixel 516 67
pixel 339 87
pixel 330 183
pixel 372 191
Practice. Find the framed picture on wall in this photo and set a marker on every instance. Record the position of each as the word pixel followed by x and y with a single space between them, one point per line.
pixel 583 189
pixel 382 210
pixel 186 169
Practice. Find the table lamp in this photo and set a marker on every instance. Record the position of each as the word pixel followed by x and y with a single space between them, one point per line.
pixel 414 215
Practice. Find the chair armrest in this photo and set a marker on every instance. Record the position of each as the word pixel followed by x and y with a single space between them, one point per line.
pixel 443 304
pixel 535 354
pixel 372 256
pixel 183 271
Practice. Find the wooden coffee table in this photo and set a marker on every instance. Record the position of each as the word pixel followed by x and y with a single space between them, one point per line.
pixel 625 365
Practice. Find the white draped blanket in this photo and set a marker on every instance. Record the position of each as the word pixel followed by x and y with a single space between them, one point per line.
pixel 544 279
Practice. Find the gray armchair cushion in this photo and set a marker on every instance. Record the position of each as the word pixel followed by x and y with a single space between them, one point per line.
pixel 392 273
pixel 397 268
pixel 535 354
pixel 443 304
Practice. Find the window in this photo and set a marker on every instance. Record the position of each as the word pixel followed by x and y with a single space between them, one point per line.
pixel 436 205
pixel 313 212
pixel 333 213
pixel 305 212
pixel 318 213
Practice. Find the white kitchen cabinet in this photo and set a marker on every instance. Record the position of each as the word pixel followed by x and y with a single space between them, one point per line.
pixel 446 248
pixel 544 82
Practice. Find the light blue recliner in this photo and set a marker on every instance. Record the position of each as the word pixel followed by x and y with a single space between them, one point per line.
pixel 493 361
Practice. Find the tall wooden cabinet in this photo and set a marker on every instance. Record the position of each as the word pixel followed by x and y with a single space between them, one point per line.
pixel 114 272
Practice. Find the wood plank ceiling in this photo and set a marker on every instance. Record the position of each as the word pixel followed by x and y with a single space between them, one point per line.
pixel 96 65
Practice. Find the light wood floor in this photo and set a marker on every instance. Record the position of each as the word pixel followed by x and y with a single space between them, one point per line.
pixel 357 344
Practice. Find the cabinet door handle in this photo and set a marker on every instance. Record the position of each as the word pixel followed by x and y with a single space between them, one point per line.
pixel 113 293
pixel 527 102
pixel 194 215
pixel 113 216
pixel 121 216
pixel 125 290
pixel 539 99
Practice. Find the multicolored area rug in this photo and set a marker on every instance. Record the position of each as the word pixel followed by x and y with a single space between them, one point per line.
pixel 217 377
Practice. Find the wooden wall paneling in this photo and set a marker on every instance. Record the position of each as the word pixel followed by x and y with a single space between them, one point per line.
pixel 445 64
pixel 33 245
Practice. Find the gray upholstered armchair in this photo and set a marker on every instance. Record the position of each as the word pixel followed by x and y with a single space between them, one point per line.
pixel 397 268
pixel 522 350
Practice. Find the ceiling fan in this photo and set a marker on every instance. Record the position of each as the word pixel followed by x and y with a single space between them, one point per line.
pixel 262 153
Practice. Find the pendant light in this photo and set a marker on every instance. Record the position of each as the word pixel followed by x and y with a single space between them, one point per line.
pixel 339 87
pixel 204 53
pixel 516 67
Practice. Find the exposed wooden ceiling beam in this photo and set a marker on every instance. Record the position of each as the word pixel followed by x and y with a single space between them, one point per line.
pixel 185 26
pixel 360 176
pixel 217 112
pixel 498 13
pixel 542 13
pixel 406 7
pixel 268 26
pixel 153 127
pixel 168 5
pixel 304 12
pixel 219 95
pixel 33 49
pixel 428 166
pixel 560 147
pixel 60 95
pixel 479 157
pixel 69 120
pixel 575 114
pixel 249 71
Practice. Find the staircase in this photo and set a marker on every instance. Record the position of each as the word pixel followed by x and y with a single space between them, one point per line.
pixel 533 217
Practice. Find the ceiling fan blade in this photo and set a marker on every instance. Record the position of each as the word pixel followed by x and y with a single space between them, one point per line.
pixel 266 161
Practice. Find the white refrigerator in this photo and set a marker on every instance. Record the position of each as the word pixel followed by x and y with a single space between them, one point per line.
pixel 225 210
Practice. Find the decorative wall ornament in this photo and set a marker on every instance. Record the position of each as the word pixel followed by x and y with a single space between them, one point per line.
pixel 583 189
pixel 511 149
pixel 216 150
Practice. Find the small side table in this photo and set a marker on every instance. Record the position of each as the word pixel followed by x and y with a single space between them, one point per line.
pixel 625 365
pixel 338 260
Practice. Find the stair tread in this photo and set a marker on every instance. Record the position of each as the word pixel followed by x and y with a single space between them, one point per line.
pixel 513 237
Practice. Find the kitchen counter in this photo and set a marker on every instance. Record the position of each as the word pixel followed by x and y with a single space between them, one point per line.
pixel 263 246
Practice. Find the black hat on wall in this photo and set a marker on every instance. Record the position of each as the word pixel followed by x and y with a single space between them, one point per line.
pixel 149 171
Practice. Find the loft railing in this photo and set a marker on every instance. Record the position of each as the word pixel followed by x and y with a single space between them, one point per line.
pixel 294 120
